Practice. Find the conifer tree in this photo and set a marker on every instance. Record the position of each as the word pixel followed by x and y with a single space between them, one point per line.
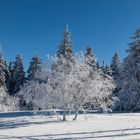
pixel 10 79
pixel 97 64
pixel 61 68
pixel 7 103
pixel 7 76
pixel 108 70
pixel 65 49
pixel 90 58
pixel 34 67
pixel 129 94
pixel 115 66
pixel 17 75
pixel 103 66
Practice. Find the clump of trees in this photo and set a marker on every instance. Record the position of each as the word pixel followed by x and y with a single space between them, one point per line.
pixel 7 102
pixel 72 81
pixel 129 79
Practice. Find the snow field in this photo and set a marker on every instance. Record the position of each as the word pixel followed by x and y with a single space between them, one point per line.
pixel 95 126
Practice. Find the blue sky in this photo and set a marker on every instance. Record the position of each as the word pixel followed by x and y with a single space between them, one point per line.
pixel 36 26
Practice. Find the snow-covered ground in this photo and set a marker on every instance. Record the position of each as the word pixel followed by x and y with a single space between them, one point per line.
pixel 96 126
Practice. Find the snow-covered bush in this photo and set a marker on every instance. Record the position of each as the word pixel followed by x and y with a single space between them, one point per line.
pixel 35 95
pixel 7 102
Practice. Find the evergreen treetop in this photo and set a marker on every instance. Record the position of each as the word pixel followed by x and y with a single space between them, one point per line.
pixel 65 49
pixel 115 65
pixel 34 67
pixel 90 58
pixel 18 74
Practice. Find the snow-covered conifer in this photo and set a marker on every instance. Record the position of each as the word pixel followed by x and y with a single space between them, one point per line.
pixel 65 49
pixel 90 58
pixel 17 75
pixel 35 66
pixel 115 66
pixel 7 76
pixel 130 77
pixel 61 69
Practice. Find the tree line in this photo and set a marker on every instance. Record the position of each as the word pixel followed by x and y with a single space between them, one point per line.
pixel 72 81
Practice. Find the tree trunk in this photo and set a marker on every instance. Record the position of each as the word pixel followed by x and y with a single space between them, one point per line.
pixel 64 115
pixel 76 114
pixel 85 115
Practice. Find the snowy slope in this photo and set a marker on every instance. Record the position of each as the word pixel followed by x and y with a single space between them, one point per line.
pixel 96 126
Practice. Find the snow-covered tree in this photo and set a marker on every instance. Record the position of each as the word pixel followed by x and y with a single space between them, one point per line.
pixel 72 82
pixel 61 69
pixel 17 75
pixel 10 79
pixel 34 94
pixel 115 66
pixel 43 73
pixel 7 103
pixel 107 70
pixel 7 76
pixel 97 64
pixel 79 84
pixel 65 49
pixel 35 91
pixel 90 86
pixel 35 66
pixel 90 58
pixel 2 68
pixel 130 77
pixel 73 86
pixel 69 87
pixel 105 99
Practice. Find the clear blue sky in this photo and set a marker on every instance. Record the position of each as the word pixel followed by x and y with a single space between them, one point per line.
pixel 36 26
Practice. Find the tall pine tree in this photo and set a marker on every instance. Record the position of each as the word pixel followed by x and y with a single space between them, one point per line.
pixel 65 49
pixel 115 66
pixel 129 94
pixel 17 75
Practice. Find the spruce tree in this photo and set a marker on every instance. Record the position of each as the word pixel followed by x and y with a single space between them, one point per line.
pixel 64 53
pixel 115 66
pixel 10 79
pixel 97 64
pixel 7 75
pixel 90 58
pixel 108 70
pixel 129 94
pixel 34 67
pixel 7 103
pixel 17 75
pixel 103 66
pixel 65 49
